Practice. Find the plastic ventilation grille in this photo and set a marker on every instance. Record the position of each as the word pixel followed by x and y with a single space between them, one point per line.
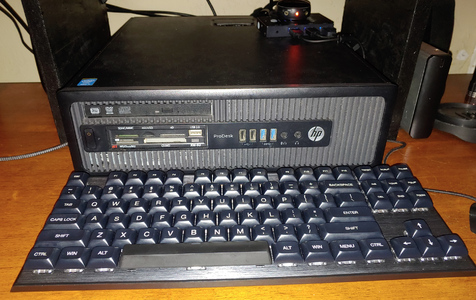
pixel 356 128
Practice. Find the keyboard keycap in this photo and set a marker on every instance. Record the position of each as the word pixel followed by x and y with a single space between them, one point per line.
pixel 305 174
pixel 217 234
pixel 221 176
pixel 71 192
pixel 346 230
pixel 307 232
pixel 155 177
pixel 429 247
pixel 117 178
pixel 204 255
pixel 203 177
pixel 147 236
pixel 64 221
pixel 258 175
pixel 104 258
pixel 194 235
pixel 453 246
pixel 401 171
pixel 124 237
pixel 420 199
pixel 262 233
pixel 346 250
pixel 405 248
pixel 400 200
pixel 240 176
pixel 287 253
pixel 324 174
pixel 364 173
pixel 383 172
pixel 171 235
pixel 240 233
pixel 349 214
pixel 101 237
pixel 41 258
pixel 417 228
pixel 192 190
pixel 376 250
pixel 286 174
pixel 339 187
pixel 174 177
pixel 343 173
pixel 179 204
pixel 285 233
pixel 351 200
pixel 317 252
pixel 78 179
pixel 136 178
pixel 60 238
pixel 73 258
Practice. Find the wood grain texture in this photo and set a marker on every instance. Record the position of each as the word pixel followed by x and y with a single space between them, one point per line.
pixel 29 188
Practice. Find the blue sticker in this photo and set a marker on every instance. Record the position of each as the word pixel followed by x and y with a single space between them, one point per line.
pixel 87 81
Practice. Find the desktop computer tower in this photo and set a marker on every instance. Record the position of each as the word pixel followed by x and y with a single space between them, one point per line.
pixel 210 92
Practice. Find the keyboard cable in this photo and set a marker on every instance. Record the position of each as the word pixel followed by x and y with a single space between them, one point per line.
pixel 403 145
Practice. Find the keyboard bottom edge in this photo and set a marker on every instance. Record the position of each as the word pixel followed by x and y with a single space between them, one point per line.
pixel 228 276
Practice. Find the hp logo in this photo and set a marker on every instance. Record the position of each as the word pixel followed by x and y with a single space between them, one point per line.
pixel 316 133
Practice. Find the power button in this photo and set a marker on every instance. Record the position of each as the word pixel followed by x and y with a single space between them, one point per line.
pixel 90 138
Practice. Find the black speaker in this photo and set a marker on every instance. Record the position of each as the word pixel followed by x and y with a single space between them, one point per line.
pixel 65 35
pixel 426 90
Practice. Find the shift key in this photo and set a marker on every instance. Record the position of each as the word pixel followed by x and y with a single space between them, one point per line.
pixel 60 238
pixel 349 230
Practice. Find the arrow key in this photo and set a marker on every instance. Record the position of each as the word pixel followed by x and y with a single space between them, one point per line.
pixel 429 247
pixel 453 246
pixel 405 248
pixel 417 228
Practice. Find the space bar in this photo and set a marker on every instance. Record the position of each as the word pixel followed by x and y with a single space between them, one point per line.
pixel 195 255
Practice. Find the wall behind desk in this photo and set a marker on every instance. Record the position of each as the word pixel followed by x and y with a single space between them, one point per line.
pixel 18 65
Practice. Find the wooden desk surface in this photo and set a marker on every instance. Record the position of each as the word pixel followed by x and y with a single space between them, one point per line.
pixel 29 187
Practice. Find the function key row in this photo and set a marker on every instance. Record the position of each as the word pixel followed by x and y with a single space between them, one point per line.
pixel 240 176
pixel 210 190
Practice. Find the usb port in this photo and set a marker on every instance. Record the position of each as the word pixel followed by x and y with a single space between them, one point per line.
pixel 242 135
pixel 252 135
pixel 273 134
pixel 262 134
pixel 195 132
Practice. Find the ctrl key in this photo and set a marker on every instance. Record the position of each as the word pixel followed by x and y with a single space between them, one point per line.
pixel 104 259
pixel 42 259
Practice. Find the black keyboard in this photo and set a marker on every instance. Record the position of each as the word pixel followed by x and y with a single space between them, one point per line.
pixel 173 229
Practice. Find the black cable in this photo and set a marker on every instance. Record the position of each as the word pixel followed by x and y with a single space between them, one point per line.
pixel 352 42
pixel 28 155
pixel 15 15
pixel 451 193
pixel 402 145
pixel 212 8
pixel 17 27
pixel 148 13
